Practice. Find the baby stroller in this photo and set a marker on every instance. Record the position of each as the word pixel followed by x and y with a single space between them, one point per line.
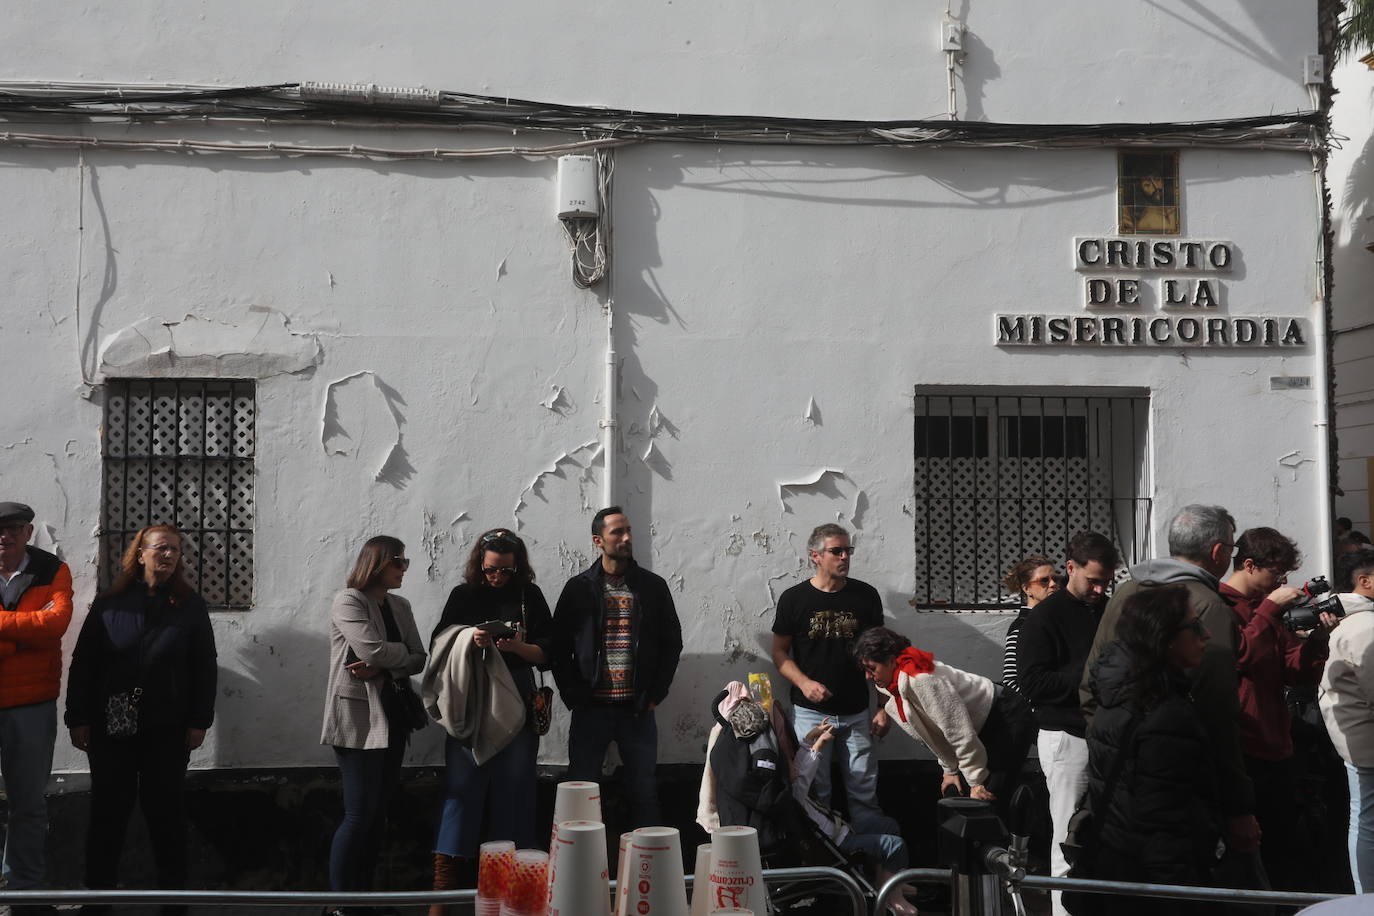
pixel 749 781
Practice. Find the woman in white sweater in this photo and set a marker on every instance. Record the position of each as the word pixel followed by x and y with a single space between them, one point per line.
pixel 958 715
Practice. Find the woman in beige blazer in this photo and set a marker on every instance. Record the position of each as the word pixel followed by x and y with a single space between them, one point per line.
pixel 372 641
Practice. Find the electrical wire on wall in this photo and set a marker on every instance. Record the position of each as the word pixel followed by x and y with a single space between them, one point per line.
pixel 589 237
pixel 597 128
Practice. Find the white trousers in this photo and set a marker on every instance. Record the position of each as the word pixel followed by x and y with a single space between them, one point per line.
pixel 1064 761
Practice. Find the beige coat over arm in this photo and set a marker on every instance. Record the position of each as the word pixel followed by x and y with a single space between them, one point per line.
pixel 353 715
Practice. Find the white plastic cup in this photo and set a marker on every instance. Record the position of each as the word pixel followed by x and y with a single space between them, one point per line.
pixel 578 883
pixel 736 871
pixel 574 801
pixel 622 873
pixel 658 886
pixel 701 882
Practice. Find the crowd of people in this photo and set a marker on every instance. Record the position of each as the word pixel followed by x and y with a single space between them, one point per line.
pixel 1162 702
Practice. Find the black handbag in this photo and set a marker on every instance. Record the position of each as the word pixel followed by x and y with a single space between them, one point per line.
pixel 402 705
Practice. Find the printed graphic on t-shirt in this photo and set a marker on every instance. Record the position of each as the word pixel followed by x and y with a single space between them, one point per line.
pixel 833 625
pixel 615 683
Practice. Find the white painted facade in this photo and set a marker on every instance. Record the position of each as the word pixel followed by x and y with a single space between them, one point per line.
pixel 1352 209
pixel 776 307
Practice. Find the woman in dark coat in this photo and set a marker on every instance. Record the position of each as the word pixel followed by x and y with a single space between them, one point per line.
pixel 498 585
pixel 140 697
pixel 1161 823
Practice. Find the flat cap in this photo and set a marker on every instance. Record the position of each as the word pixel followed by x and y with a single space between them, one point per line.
pixel 15 512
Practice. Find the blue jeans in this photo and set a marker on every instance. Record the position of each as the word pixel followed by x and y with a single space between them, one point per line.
pixel 506 780
pixel 860 768
pixel 1361 827
pixel 882 849
pixel 27 734
pixel 592 730
pixel 370 779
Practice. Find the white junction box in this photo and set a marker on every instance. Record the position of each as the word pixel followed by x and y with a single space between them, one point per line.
pixel 577 198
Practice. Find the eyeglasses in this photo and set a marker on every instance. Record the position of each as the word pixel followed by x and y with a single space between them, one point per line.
pixel 166 549
pixel 502 570
pixel 838 551
pixel 401 563
pixel 1042 581
pixel 1195 625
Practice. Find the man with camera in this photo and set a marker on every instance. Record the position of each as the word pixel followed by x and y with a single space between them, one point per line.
pixel 1269 657
pixel 1347 705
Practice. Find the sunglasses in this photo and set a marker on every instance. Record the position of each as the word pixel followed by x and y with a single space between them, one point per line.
pixel 838 551
pixel 1042 581
pixel 401 563
pixel 503 570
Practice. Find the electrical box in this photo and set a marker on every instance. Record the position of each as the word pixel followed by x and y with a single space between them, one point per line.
pixel 577 197
pixel 1314 70
pixel 951 35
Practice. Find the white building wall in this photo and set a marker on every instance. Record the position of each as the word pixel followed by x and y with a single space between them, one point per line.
pixel 1351 176
pixel 746 281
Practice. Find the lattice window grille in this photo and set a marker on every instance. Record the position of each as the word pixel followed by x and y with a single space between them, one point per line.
pixel 180 452
pixel 996 491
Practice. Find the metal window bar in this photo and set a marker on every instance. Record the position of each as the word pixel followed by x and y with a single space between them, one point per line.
pixel 181 452
pixel 1014 475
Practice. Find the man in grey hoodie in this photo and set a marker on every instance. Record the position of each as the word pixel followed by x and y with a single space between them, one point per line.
pixel 1201 542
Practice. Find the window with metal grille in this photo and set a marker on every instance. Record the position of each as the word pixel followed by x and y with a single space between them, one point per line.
pixel 180 452
pixel 1000 476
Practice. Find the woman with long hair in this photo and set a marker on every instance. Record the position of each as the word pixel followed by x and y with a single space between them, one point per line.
pixel 498 586
pixel 373 643
pixel 958 715
pixel 1158 821
pixel 140 697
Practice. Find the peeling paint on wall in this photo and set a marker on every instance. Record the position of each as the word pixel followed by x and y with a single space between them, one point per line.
pixel 812 414
pixel 821 481
pixel 656 461
pixel 571 560
pixel 735 544
pixel 658 423
pixel 570 458
pixel 351 408
pixel 1294 460
pixel 557 401
pixel 259 345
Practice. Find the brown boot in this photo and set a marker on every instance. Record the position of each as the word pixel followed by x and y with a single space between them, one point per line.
pixel 445 879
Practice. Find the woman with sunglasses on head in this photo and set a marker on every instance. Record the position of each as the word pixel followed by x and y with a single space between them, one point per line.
pixel 498 586
pixel 140 697
pixel 372 643
pixel 1151 781
pixel 1034 579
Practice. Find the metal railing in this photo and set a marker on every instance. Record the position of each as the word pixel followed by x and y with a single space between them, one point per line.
pixel 771 876
pixel 1121 888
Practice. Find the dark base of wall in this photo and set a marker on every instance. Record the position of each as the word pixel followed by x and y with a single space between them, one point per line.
pixel 270 829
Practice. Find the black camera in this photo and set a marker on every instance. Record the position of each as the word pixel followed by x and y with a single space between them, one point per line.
pixel 1305 613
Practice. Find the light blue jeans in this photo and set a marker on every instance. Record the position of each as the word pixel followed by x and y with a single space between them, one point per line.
pixel 860 768
pixel 27 734
pixel 1361 827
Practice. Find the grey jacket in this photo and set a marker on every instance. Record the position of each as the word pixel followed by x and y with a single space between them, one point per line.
pixel 1214 683
pixel 353 715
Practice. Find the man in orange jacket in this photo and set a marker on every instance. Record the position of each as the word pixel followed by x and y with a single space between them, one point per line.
pixel 35 608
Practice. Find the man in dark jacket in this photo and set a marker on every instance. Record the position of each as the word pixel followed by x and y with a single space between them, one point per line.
pixel 1050 657
pixel 617 641
pixel 1201 541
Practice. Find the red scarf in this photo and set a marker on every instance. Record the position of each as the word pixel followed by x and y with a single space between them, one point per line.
pixel 913 661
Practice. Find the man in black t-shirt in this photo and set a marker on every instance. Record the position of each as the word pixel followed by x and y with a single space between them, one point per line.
pixel 813 634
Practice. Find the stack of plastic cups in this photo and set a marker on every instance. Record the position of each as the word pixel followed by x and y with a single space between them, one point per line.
pixel 495 863
pixel 574 801
pixel 622 876
pixel 701 882
pixel 659 887
pixel 578 883
pixel 736 875
pixel 528 891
